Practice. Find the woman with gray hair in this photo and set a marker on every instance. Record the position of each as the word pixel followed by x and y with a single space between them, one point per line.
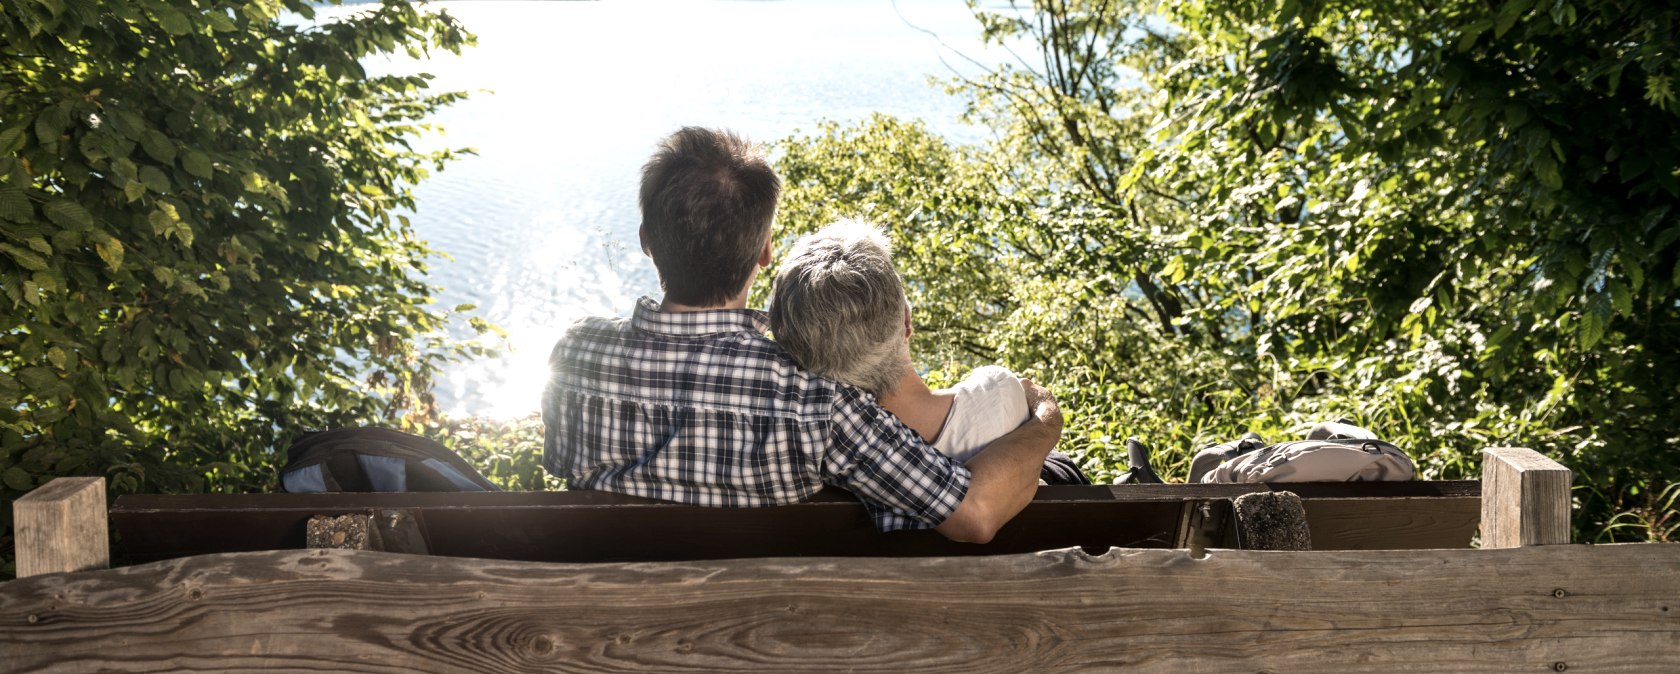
pixel 838 307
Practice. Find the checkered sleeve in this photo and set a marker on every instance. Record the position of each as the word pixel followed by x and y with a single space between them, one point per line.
pixel 902 481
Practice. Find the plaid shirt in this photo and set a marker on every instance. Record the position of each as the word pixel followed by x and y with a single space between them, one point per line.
pixel 702 408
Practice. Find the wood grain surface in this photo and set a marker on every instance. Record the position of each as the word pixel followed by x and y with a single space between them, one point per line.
pixel 1392 524
pixel 1554 608
pixel 582 526
pixel 61 527
pixel 1526 499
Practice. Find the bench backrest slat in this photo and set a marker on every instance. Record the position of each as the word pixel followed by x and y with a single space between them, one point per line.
pixel 582 526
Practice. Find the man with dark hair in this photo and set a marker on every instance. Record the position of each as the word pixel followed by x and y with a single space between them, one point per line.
pixel 688 401
pixel 708 199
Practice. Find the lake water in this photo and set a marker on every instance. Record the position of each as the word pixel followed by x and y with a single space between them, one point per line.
pixel 571 97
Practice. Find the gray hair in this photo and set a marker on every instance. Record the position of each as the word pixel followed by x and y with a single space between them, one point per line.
pixel 838 307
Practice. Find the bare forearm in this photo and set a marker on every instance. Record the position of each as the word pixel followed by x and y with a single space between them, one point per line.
pixel 1005 478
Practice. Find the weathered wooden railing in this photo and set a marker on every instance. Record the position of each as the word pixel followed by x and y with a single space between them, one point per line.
pixel 602 527
pixel 1557 607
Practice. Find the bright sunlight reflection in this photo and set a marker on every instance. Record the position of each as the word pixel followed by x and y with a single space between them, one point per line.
pixel 568 99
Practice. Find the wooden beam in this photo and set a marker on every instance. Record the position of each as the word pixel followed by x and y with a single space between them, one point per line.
pixel 582 526
pixel 61 527
pixel 1525 499
pixel 1551 608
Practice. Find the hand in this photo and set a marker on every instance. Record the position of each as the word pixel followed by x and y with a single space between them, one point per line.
pixel 1042 405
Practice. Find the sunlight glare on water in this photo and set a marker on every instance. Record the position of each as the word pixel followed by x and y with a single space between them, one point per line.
pixel 568 99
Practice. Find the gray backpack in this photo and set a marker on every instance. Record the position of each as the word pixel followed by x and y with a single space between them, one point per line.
pixel 1332 452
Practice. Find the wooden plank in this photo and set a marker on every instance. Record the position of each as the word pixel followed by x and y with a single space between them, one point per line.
pixel 1393 524
pixel 1526 499
pixel 1059 493
pixel 599 527
pixel 61 527
pixel 652 532
pixel 1518 610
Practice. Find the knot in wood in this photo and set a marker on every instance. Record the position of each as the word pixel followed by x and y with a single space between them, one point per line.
pixel 541 645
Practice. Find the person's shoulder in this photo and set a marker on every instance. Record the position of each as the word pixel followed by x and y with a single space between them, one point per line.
pixel 994 394
pixel 586 323
pixel 993 377
pixel 591 328
pixel 587 331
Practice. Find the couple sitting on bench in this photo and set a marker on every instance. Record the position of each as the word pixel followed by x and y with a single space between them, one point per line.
pixel 688 400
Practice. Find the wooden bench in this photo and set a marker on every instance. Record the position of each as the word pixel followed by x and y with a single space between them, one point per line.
pixel 827 593
pixel 602 527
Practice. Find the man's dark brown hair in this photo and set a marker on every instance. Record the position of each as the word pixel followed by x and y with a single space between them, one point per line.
pixel 708 198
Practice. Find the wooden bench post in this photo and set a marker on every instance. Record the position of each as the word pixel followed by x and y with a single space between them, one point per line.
pixel 1525 499
pixel 61 527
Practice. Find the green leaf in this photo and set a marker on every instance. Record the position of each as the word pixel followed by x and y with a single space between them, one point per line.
pixel 44 382
pixel 131 126
pixel 1594 320
pixel 39 245
pixel 124 168
pixel 154 179
pixel 50 280
pixel 1546 169
pixel 220 22
pixel 50 124
pixel 10 392
pixel 164 275
pixel 14 205
pixel 111 251
pixel 133 190
pixel 160 222
pixel 19 479
pixel 57 357
pixel 1467 39
pixel 173 21
pixel 196 163
pixel 1623 300
pixel 1509 13
pixel 69 214
pixel 182 232
pixel 158 146
pixel 24 257
pixel 11 139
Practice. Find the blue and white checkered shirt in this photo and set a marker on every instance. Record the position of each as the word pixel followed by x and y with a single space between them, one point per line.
pixel 702 408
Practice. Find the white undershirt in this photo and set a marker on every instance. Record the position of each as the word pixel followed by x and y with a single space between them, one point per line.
pixel 989 404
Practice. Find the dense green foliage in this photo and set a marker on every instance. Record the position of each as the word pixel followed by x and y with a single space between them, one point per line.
pixel 1452 222
pixel 201 252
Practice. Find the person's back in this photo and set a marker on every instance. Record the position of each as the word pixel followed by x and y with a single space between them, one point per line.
pixel 713 413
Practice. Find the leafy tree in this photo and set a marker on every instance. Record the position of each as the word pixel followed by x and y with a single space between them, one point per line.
pixel 202 252
pixel 1451 221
